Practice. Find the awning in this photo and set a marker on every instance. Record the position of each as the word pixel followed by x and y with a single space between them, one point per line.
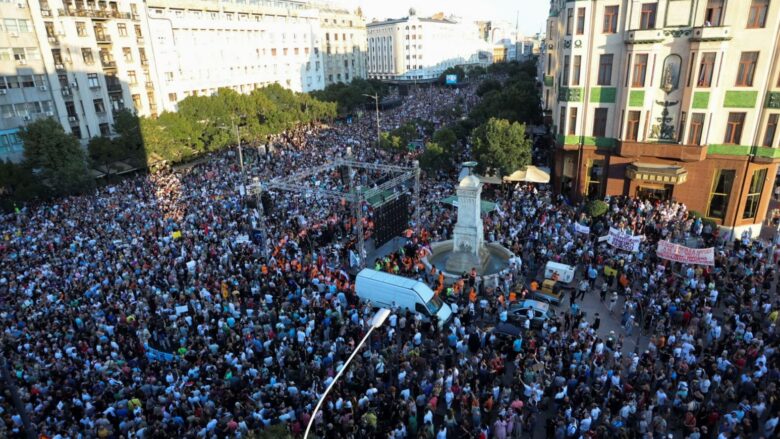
pixel 530 174
pixel 656 173
pixel 486 206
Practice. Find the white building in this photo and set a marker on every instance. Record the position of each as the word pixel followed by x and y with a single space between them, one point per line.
pixel 422 48
pixel 77 61
pixel 201 46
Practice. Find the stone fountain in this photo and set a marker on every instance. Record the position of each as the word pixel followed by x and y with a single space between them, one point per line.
pixel 468 250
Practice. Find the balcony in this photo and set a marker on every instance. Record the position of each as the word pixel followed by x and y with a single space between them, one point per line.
pixel 140 41
pixel 54 41
pixel 99 14
pixel 114 87
pixel 102 38
pixel 108 64
pixel 144 61
pixel 149 85
pixel 671 151
pixel 644 36
pixel 711 33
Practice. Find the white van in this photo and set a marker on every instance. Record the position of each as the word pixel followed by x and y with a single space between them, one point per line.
pixel 388 290
pixel 565 272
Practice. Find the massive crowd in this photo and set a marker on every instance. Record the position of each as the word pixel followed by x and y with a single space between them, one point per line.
pixel 151 309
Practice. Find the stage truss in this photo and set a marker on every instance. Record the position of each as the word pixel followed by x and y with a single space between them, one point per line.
pixel 356 196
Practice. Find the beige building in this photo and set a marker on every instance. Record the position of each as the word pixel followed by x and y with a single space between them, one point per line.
pixel 413 48
pixel 343 44
pixel 87 59
pixel 670 99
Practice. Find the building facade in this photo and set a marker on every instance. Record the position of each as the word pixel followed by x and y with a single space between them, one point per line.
pixel 87 60
pixel 201 46
pixel 417 48
pixel 671 99
pixel 343 44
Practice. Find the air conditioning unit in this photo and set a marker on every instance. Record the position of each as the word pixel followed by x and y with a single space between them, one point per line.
pixel 26 118
pixel 42 88
pixel 22 62
pixel 72 119
pixel 50 113
pixel 66 92
pixel 59 66
pixel 74 84
pixel 2 92
pixel 20 5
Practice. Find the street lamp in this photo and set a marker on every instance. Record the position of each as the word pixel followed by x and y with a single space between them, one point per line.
pixel 375 97
pixel 240 152
pixel 376 322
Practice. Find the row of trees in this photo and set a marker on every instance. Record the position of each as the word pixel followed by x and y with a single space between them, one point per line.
pixel 496 125
pixel 354 96
pixel 55 164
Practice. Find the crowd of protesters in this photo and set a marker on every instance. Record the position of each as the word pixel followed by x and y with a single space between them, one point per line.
pixel 152 309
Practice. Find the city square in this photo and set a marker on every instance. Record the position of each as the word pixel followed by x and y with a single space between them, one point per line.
pixel 448 252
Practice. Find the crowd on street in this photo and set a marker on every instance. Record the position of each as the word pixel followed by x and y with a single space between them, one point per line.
pixel 151 308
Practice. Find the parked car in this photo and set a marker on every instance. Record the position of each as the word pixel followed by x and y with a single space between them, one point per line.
pixel 552 292
pixel 537 311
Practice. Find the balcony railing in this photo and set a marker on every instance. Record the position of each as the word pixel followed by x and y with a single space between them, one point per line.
pixel 711 33
pixel 107 64
pixel 103 38
pixel 114 87
pixel 149 85
pixel 644 36
pixel 673 151
pixel 94 13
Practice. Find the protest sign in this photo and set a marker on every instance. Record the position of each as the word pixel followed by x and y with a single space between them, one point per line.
pixel 679 253
pixel 176 234
pixel 623 241
pixel 579 228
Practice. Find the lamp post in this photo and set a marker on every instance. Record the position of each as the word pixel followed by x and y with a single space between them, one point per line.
pixel 240 151
pixel 377 321
pixel 375 97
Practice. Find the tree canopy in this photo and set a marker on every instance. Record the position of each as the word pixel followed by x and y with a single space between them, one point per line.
pixel 56 157
pixel 352 97
pixel 501 147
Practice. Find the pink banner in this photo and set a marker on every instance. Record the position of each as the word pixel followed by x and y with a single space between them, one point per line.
pixel 686 255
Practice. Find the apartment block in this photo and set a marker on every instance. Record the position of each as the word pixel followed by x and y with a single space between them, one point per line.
pixel 420 48
pixel 667 100
pixel 343 44
pixel 201 46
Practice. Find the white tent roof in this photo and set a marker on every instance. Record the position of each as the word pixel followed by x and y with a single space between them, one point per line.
pixel 530 174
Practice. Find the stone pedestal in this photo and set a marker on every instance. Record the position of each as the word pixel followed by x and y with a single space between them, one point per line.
pixel 468 238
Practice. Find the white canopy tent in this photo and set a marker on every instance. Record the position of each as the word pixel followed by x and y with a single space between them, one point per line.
pixel 530 174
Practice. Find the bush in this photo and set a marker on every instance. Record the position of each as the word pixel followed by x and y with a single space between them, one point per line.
pixel 596 208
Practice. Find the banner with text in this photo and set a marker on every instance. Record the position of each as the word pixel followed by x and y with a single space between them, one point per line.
pixel 579 228
pixel 686 255
pixel 623 241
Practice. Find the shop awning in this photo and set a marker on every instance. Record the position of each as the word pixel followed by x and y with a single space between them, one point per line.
pixel 530 174
pixel 656 173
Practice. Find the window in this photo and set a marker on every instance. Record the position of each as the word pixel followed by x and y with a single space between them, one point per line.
pixel 128 54
pixel 86 54
pixel 757 183
pixel 640 70
pixel 562 121
pixel 683 119
pixel 610 19
pixel 70 109
pixel 27 81
pixel 714 13
pixel 105 129
pixel 81 29
pixel 137 102
pixel 632 125
pixel 131 77
pixel 92 80
pixel 569 20
pixel 771 129
pixel 566 70
pixel 605 69
pixel 19 55
pixel 600 122
pixel 706 68
pixel 757 16
pixel 122 29
pixel 648 16
pixel 719 196
pixel 593 178
pixel 747 68
pixel 697 127
pixel 573 121
pixel 11 25
pixel 580 21
pixel 172 97
pixel 734 128
pixel 100 107
pixel 575 77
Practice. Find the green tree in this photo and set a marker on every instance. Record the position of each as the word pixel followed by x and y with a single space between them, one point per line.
pixel 487 86
pixel 103 152
pixel 434 157
pixel 56 156
pixel 501 147
pixel 18 184
pixel 128 140
pixel 446 138
pixel 596 208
